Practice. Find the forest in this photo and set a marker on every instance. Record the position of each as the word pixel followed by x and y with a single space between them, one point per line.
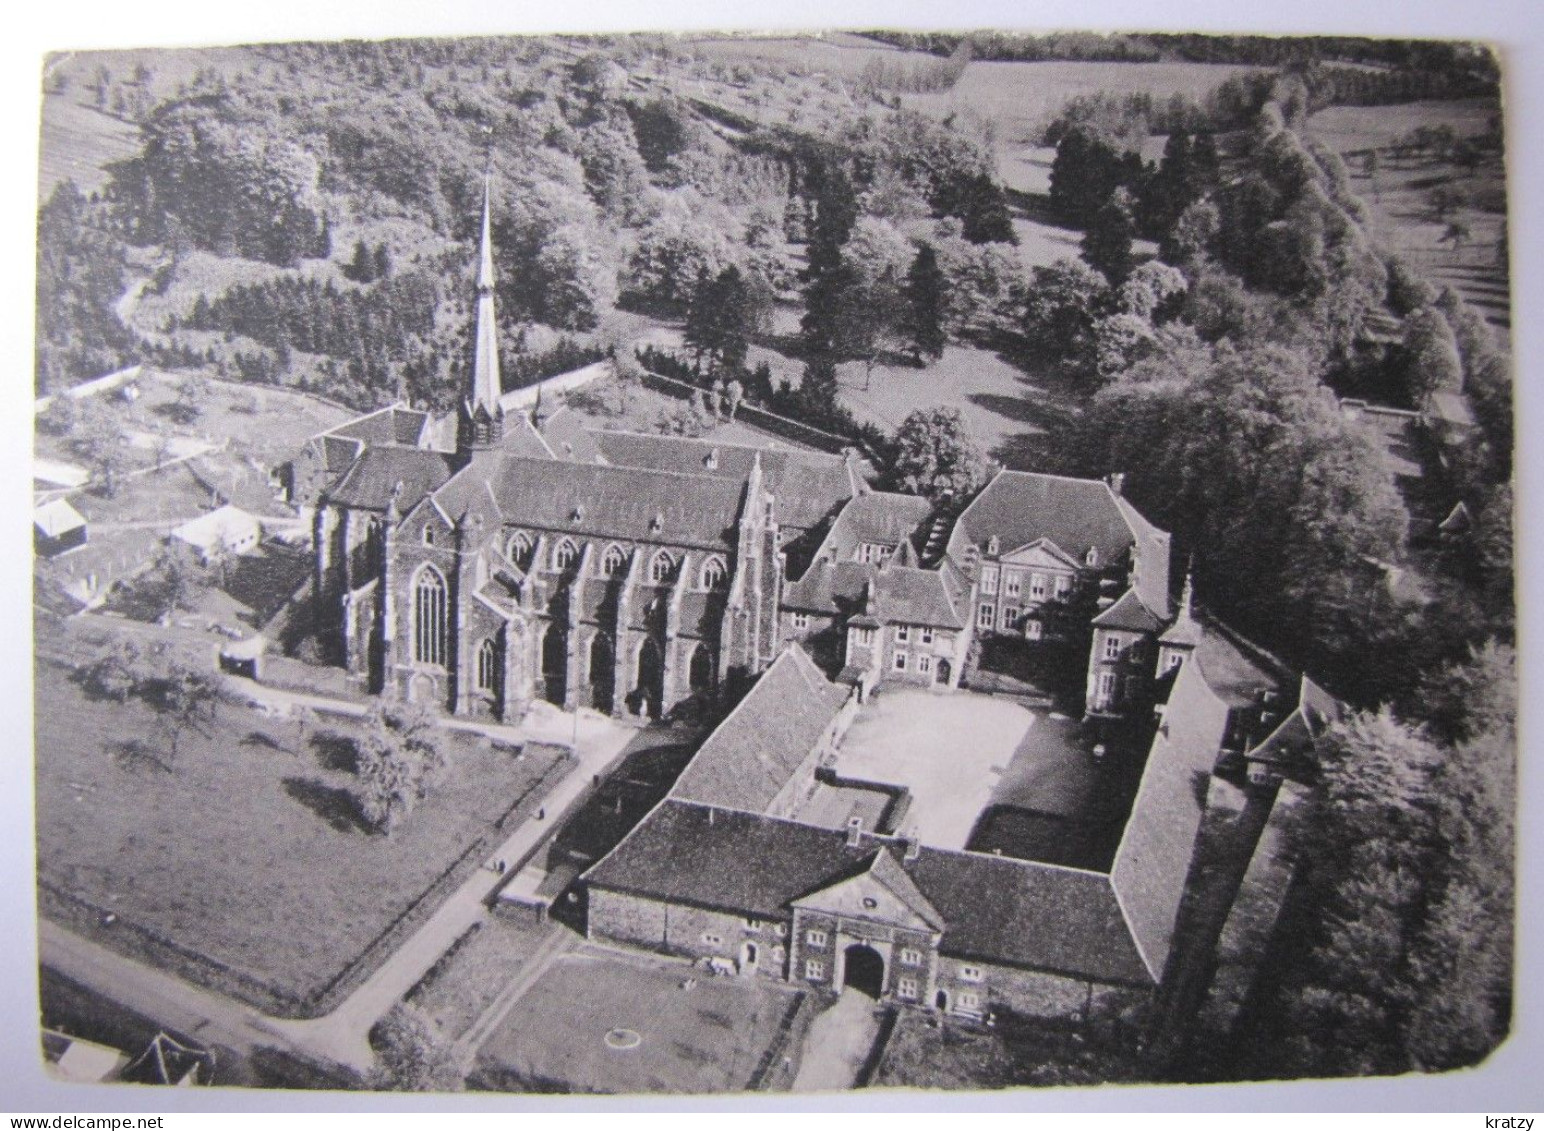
pixel 1222 297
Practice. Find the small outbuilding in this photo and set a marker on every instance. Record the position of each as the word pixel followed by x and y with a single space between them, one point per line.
pixel 228 530
pixel 56 528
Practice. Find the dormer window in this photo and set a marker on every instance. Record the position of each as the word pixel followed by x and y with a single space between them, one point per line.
pixel 428 536
pixel 993 546
pixel 657 524
pixel 711 461
pixel 576 515
pixel 1091 558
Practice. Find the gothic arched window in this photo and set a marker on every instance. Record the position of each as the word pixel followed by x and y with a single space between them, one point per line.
pixel 563 555
pixel 429 617
pixel 613 562
pixel 519 550
pixel 488 666
pixel 661 567
pixel 714 575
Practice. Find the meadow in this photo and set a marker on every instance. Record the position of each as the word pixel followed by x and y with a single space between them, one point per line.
pixel 282 904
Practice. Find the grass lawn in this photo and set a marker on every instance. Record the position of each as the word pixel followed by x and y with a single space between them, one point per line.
pixel 924 1053
pixel 709 1038
pixel 465 982
pixel 949 750
pixel 79 142
pixel 1401 218
pixel 247 851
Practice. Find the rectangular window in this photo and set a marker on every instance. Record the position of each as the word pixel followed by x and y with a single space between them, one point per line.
pixel 814 968
pixel 970 973
pixel 1106 688
pixel 911 956
pixel 711 939
pixel 900 661
pixel 1010 585
pixel 1112 647
pixel 1032 629
pixel 1010 616
pixel 927 636
pixel 801 621
pixel 1037 587
pixel 924 664
pixel 969 999
pixel 902 633
pixel 753 924
pixel 907 987
pixel 864 636
pixel 989 579
pixel 815 938
pixel 1175 660
pixel 984 616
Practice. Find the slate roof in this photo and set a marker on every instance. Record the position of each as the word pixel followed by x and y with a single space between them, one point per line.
pixel 1129 613
pixel 808 485
pixel 1153 860
pixel 903 594
pixel 567 438
pixel 522 439
pixel 880 517
pixel 393 425
pixel 698 511
pixel 1020 507
pixel 1234 670
pixel 756 750
pixel 994 908
pixel 370 479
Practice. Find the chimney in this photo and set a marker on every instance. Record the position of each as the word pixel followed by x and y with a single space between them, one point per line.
pixel 854 831
pixel 913 849
pixel 1117 481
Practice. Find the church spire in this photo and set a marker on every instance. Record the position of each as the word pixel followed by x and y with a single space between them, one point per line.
pixel 486 386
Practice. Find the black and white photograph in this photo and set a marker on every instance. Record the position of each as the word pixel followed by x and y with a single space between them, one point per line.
pixel 686 563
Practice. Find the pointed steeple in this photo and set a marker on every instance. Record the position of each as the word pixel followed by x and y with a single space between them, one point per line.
pixel 486 386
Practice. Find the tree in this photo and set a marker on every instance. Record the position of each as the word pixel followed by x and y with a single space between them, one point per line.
pixel 1107 243
pixel 936 457
pixel 924 293
pixel 1059 310
pixel 413 1056
pixel 193 393
pixel 401 749
pixel 98 439
pixel 1430 356
pixel 719 320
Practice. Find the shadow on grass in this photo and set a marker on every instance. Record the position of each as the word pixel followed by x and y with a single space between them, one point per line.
pixel 137 754
pixel 335 751
pixel 263 741
pixel 334 805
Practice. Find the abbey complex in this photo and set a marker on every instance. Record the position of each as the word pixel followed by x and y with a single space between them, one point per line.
pixel 504 555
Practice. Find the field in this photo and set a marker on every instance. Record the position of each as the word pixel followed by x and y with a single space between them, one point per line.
pixel 1398 202
pixel 1021 99
pixel 246 850
pixel 706 1038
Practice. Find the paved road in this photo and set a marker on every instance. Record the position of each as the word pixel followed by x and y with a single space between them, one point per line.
pixel 838 1044
pixel 342 1035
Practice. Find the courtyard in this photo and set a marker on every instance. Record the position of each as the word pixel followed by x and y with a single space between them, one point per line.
pixel 961 753
pixel 605 1021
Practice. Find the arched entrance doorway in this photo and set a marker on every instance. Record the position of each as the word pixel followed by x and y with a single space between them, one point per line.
pixel 943 672
pixel 864 970
pixel 649 691
pixel 603 675
pixel 554 665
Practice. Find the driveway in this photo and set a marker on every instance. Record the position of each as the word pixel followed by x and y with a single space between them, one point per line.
pixel 838 1044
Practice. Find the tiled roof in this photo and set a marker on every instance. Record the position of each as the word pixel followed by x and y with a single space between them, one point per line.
pixel 393 425
pixel 567 438
pixel 1153 860
pixel 1020 507
pixel 747 761
pixel 370 480
pixel 879 517
pixel 592 500
pixel 994 908
pixel 808 486
pixel 903 594
pixel 1129 613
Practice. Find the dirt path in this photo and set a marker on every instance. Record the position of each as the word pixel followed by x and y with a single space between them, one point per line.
pixel 838 1045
